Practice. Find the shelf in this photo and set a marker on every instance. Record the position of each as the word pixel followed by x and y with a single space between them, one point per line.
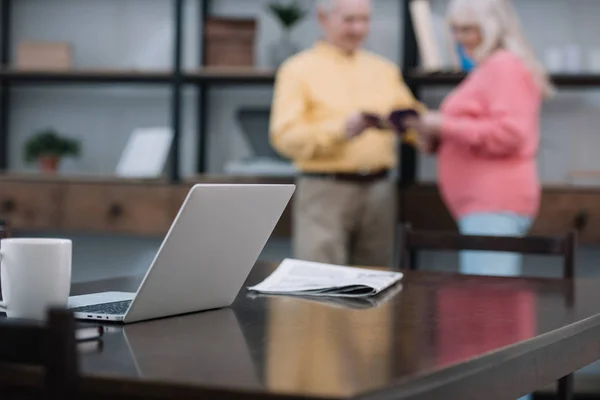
pixel 453 78
pixel 220 76
pixel 86 76
pixel 434 78
pixel 230 76
pixel 38 177
pixel 576 80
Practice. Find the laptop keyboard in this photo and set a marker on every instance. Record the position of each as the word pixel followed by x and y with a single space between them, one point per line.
pixel 115 308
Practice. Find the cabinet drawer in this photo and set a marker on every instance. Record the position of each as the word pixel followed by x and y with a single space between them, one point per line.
pixel 178 195
pixel 31 205
pixel 143 210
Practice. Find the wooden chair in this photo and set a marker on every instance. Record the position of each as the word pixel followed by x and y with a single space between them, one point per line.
pixel 565 246
pixel 51 346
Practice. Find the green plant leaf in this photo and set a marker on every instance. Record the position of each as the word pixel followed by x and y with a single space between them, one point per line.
pixel 49 142
pixel 287 15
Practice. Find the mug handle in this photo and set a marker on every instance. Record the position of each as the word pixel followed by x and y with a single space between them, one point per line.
pixel 2 303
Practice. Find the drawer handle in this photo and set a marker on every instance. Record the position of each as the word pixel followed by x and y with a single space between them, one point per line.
pixel 580 220
pixel 8 205
pixel 115 211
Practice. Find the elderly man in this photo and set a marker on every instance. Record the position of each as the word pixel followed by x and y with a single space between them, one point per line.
pixel 344 208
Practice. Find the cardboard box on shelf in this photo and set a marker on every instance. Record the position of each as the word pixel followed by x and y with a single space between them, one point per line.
pixel 46 56
pixel 230 42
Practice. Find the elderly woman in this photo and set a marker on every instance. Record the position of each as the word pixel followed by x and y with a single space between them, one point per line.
pixel 486 133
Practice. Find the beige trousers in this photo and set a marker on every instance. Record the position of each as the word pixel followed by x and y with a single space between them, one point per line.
pixel 344 222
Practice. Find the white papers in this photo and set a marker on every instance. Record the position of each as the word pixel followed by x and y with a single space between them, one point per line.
pixel 436 47
pixel 146 153
pixel 425 33
pixel 344 301
pixel 315 279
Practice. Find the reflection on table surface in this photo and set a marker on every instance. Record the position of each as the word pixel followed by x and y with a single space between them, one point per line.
pixel 489 320
pixel 307 347
pixel 204 348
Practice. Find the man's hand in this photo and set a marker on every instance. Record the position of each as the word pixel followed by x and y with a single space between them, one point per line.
pixel 355 125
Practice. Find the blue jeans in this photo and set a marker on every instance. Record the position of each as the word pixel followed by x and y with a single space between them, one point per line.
pixel 492 224
pixel 493 263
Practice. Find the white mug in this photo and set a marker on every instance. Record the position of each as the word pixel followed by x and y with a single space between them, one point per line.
pixel 35 275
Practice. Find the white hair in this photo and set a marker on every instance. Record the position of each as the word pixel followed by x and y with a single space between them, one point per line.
pixel 500 28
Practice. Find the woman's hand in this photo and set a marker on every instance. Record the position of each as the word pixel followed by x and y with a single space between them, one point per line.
pixel 428 124
pixel 433 122
pixel 428 127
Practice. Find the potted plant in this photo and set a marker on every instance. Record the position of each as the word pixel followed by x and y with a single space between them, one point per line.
pixel 288 16
pixel 48 147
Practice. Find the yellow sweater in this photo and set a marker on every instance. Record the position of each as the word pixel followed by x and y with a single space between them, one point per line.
pixel 317 90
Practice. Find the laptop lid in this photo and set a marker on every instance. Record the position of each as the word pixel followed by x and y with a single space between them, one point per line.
pixel 211 247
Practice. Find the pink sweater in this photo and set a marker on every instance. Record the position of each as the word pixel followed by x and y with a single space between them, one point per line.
pixel 489 140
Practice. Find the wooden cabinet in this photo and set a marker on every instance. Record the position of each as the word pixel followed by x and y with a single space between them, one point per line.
pixel 31 205
pixel 116 206
pixel 177 197
pixel 561 209
pixel 148 208
pixel 130 209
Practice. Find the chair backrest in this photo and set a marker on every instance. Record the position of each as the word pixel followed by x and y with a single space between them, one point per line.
pixel 565 246
pixel 51 345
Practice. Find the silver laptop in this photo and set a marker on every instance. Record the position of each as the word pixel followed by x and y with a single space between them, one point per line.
pixel 206 256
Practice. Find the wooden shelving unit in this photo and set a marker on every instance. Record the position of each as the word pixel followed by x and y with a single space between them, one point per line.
pixel 230 76
pixel 14 76
pixel 219 76
pixel 204 78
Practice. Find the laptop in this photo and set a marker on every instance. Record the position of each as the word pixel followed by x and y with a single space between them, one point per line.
pixel 205 258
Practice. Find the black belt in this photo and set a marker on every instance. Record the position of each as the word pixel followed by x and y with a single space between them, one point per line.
pixel 350 177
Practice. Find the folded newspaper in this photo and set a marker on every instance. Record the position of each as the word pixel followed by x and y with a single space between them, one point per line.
pixel 304 278
pixel 342 302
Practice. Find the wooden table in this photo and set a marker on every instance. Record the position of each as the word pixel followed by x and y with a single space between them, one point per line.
pixel 441 336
